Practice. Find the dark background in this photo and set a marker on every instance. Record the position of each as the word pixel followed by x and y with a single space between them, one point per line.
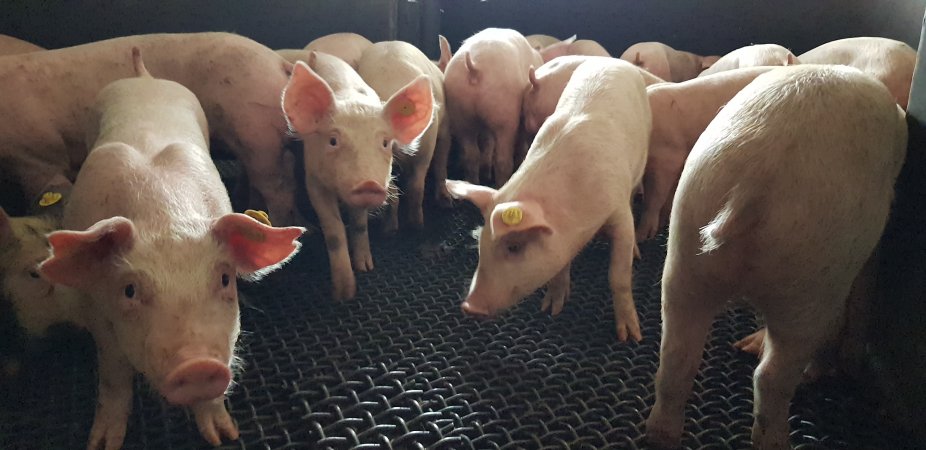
pixel 703 26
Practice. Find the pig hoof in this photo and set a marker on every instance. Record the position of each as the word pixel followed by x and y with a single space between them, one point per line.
pixel 108 432
pixel 444 200
pixel 661 439
pixel 344 288
pixel 214 422
pixel 629 328
pixel 363 263
pixel 554 300
pixel 636 252
pixel 754 343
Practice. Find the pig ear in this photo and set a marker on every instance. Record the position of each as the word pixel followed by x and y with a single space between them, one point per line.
pixel 510 217
pixel 258 249
pixel 570 39
pixel 6 229
pixel 307 99
pixel 791 60
pixel 409 111
pixel 481 196
pixel 637 61
pixel 555 50
pixel 445 53
pixel 532 76
pixel 708 61
pixel 78 257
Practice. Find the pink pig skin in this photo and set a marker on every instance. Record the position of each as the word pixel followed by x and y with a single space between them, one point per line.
pixel 347 46
pixel 666 62
pixel 539 41
pixel 681 112
pixel 578 178
pixel 239 85
pixel 547 84
pixel 13 46
pixel 484 83
pixel 387 67
pixel 753 56
pixel 348 135
pixel 157 262
pixel 781 202
pixel 889 61
pixel 584 47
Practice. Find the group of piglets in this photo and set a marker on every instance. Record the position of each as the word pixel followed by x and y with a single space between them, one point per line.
pixel 738 154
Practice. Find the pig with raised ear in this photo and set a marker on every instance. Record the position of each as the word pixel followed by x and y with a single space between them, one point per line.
pixel 484 83
pixel 547 83
pixel 539 41
pixel 347 46
pixel 666 62
pixel 584 47
pixel 445 53
pixel 13 46
pixel 681 112
pixel 753 56
pixel 348 135
pixel 390 66
pixel 577 179
pixel 890 62
pixel 781 202
pixel 150 242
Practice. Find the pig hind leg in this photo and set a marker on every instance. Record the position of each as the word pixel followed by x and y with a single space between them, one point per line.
pixel 688 310
pixel 439 166
pixel 620 274
pixel 415 180
pixel 469 158
pixel 503 158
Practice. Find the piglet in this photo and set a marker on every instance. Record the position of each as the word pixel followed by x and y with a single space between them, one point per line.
pixel 681 112
pixel 13 46
pixel 580 47
pixel 666 62
pixel 348 136
pixel 781 202
pixel 347 46
pixel 539 41
pixel 546 86
pixel 889 61
pixel 153 248
pixel 387 67
pixel 578 178
pixel 753 56
pixel 484 83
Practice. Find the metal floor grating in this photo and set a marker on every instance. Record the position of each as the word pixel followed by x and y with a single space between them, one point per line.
pixel 401 367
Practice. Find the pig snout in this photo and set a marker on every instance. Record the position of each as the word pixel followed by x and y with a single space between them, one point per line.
pixel 196 380
pixel 368 194
pixel 476 309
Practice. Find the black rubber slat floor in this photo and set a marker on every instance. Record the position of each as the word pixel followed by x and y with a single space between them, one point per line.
pixel 401 367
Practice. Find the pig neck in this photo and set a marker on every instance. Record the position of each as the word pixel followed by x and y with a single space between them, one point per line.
pixel 685 115
pixel 689 63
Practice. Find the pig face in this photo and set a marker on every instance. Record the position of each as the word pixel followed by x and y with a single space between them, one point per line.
pixel 348 138
pixel 171 300
pixel 517 251
pixel 22 247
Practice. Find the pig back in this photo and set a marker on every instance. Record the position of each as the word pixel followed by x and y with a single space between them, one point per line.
pixel 389 66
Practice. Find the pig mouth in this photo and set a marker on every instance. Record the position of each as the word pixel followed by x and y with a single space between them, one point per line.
pixel 196 380
pixel 368 194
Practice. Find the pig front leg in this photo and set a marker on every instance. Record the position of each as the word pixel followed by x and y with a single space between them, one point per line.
pixel 439 166
pixel 325 202
pixel 361 256
pixel 661 174
pixel 213 421
pixel 620 275
pixel 414 194
pixel 688 309
pixel 114 398
pixel 557 292
pixel 271 176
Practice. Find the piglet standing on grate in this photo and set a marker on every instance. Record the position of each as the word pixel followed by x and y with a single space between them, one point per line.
pixel 348 134
pixel 155 249
pixel 753 56
pixel 484 83
pixel 781 202
pixel 890 61
pixel 390 66
pixel 578 178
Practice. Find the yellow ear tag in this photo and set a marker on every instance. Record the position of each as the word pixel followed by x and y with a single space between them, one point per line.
pixel 259 216
pixel 407 108
pixel 512 216
pixel 49 198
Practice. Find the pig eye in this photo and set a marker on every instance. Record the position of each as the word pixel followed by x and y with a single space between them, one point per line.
pixel 225 280
pixel 385 143
pixel 333 141
pixel 33 274
pixel 515 248
pixel 129 291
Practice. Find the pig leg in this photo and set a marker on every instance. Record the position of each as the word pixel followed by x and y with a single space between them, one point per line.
pixel 557 292
pixel 660 175
pixel 470 156
pixel 505 138
pixel 114 398
pixel 754 343
pixel 791 343
pixel 414 192
pixel 688 309
pixel 213 421
pixel 270 175
pixel 620 275
pixel 360 240
pixel 486 152
pixel 329 217
pixel 439 166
